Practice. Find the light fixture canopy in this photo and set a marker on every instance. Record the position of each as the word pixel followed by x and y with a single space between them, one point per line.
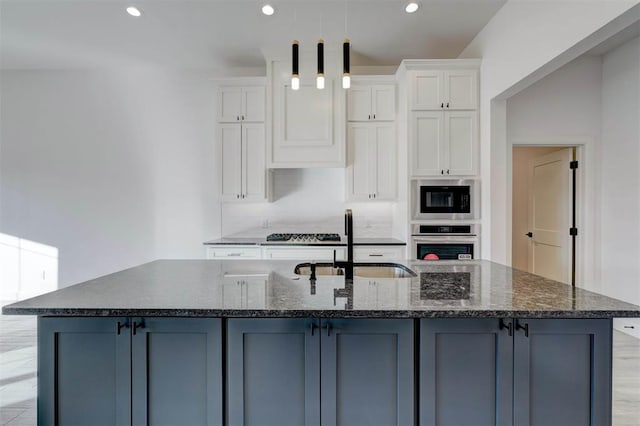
pixel 320 77
pixel 346 66
pixel 295 78
pixel 268 10
pixel 411 7
pixel 134 11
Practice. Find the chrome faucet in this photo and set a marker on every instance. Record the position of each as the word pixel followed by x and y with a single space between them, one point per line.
pixel 348 264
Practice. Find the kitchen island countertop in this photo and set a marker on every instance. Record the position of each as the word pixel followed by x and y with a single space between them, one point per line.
pixel 201 288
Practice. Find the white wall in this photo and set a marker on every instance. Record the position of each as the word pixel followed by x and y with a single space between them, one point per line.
pixel 111 167
pixel 523 42
pixel 619 269
pixel 564 109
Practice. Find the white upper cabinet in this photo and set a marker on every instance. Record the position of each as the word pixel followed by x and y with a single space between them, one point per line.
pixel 307 125
pixel 242 162
pixel 444 143
pixel 371 102
pixel 371 173
pixel 237 104
pixel 444 90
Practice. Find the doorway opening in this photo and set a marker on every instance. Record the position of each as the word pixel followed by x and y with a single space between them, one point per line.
pixel 544 211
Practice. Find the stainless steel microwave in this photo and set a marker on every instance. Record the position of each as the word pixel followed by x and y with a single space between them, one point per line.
pixel 445 199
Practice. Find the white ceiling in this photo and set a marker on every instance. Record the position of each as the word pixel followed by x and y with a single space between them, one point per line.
pixel 229 34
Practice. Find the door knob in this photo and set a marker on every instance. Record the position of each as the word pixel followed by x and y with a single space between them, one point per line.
pixel 529 234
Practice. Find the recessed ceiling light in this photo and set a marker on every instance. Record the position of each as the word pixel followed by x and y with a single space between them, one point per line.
pixel 268 10
pixel 411 7
pixel 134 11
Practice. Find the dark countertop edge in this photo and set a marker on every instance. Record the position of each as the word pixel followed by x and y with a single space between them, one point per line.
pixel 234 313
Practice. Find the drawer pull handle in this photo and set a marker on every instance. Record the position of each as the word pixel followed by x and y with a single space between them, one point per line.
pixel 375 255
pixel 234 254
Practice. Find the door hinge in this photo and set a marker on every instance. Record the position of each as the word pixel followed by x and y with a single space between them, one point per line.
pixel 573 231
pixel 573 164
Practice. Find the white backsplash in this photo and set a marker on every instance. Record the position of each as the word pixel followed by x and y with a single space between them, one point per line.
pixel 306 200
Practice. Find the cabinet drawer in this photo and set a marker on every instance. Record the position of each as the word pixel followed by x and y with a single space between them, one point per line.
pixel 374 253
pixel 234 252
pixel 304 253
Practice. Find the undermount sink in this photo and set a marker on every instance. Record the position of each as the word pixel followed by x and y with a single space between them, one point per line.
pixel 362 270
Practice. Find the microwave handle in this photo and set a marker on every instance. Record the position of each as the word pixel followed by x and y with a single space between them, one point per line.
pixel 465 201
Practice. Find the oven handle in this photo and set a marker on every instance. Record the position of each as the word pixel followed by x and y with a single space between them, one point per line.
pixel 446 239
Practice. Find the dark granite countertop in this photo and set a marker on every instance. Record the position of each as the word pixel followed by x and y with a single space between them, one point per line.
pixel 264 288
pixel 260 241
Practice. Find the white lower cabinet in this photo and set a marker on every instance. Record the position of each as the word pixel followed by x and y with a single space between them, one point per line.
pixel 378 253
pixel 234 252
pixel 304 253
pixel 371 174
pixel 244 291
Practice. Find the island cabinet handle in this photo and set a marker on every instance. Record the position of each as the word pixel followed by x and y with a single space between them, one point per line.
pixel 137 325
pixel 313 327
pixel 524 327
pixel 508 325
pixel 120 325
pixel 328 327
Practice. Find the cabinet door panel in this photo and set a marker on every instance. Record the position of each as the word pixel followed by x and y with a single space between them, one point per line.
pixel 367 372
pixel 462 136
pixel 461 89
pixel 83 371
pixel 384 155
pixel 427 141
pixel 177 372
pixel 427 90
pixel 229 104
pixel 359 171
pixel 562 373
pixel 253 164
pixel 359 103
pixel 384 102
pixel 273 368
pixel 231 155
pixel 253 104
pixel 465 373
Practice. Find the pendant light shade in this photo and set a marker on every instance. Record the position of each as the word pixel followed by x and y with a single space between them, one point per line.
pixel 320 77
pixel 346 66
pixel 295 78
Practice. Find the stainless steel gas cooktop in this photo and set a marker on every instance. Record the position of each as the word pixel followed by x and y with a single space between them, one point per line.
pixel 303 238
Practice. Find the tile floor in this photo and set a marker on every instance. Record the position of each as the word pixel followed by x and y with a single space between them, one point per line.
pixel 18 385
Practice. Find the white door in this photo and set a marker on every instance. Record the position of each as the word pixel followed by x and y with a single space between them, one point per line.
pixel 229 104
pixel 253 162
pixel 384 156
pixel 253 104
pixel 383 100
pixel 428 90
pixel 359 171
pixel 231 155
pixel 550 211
pixel 461 89
pixel 359 103
pixel 461 147
pixel 427 137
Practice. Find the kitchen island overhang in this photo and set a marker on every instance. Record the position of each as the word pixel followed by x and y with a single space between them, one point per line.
pixel 238 342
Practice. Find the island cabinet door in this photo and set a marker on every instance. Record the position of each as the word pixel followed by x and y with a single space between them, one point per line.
pixel 176 371
pixel 562 372
pixel 273 372
pixel 367 372
pixel 84 369
pixel 465 372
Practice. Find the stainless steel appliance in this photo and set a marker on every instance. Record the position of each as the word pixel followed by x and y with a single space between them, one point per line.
pixel 445 242
pixel 445 199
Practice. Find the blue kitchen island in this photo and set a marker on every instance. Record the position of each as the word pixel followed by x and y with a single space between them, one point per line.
pixel 204 342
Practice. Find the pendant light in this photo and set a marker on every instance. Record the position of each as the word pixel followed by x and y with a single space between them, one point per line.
pixel 346 79
pixel 295 78
pixel 320 77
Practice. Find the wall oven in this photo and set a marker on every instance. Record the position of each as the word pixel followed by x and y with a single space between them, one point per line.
pixel 445 242
pixel 445 199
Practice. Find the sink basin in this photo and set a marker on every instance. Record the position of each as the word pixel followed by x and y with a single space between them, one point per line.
pixel 362 270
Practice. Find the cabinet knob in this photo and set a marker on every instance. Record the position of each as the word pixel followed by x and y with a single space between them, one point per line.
pixel 374 116
pixel 238 196
pixel 447 171
pixel 447 104
pixel 441 172
pixel 237 118
pixel 442 105
pixel 243 115
pixel 369 117
pixel 243 196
